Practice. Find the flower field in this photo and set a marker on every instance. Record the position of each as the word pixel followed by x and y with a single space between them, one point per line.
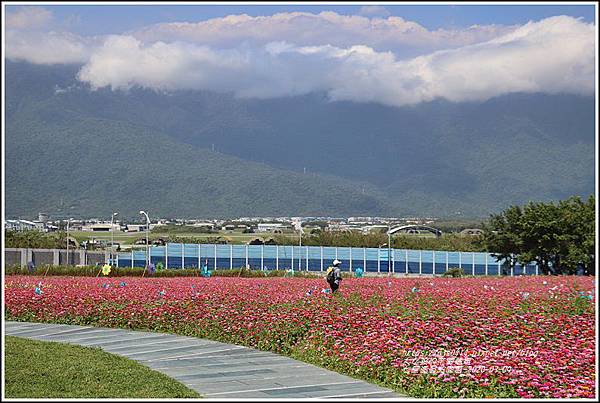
pixel 440 337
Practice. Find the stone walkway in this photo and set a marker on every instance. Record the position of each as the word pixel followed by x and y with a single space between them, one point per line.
pixel 215 370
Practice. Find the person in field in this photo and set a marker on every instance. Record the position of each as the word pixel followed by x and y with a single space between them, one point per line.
pixel 334 275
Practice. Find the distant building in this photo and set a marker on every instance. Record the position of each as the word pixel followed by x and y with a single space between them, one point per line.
pixel 19 225
pixel 135 227
pixel 271 227
pixel 471 231
pixel 207 225
pixel 101 227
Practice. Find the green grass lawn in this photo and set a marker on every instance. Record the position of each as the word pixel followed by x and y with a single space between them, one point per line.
pixel 36 369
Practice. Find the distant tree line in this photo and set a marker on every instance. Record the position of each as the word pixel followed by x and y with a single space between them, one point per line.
pixel 181 229
pixel 35 239
pixel 447 242
pixel 559 237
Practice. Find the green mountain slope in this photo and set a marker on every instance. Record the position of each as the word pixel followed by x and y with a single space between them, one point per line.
pixel 95 151
pixel 95 166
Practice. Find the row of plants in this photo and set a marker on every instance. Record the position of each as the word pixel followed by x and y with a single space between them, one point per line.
pixel 96 271
pixel 443 337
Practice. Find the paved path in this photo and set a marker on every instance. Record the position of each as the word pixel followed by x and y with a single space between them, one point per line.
pixel 214 369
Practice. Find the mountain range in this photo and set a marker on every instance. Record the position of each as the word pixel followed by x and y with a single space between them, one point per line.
pixel 74 151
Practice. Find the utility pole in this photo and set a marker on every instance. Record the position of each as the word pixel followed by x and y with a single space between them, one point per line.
pixel 68 221
pixel 112 236
pixel 147 228
pixel 389 249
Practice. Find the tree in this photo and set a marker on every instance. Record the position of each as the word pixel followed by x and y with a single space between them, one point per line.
pixel 558 237
pixel 578 239
pixel 502 235
pixel 541 230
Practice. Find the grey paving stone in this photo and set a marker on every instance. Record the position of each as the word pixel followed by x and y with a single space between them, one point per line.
pixel 265 387
pixel 64 334
pixel 216 370
pixel 19 325
pixel 168 348
pixel 227 367
pixel 128 340
pixel 87 340
pixel 209 353
pixel 37 330
pixel 243 395
pixel 212 362
pixel 234 375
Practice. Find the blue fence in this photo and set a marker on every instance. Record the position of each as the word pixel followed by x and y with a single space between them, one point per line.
pixel 318 258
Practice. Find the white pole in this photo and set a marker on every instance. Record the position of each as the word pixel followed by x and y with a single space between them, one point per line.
pixel 433 252
pixel 321 258
pixel 147 249
pixel 389 249
pixel 292 257
pixel 420 263
pixel 230 257
pixel 512 270
pixel 215 257
pixel 406 261
pixel 199 256
pixel 306 258
pixel 112 237
pixel 460 260
pixel 486 264
pixel 167 255
pixel 300 250
pixel 262 257
pixel 351 259
pixel 378 260
pixel 147 242
pixel 68 241
pixel 446 261
pixel 276 257
pixel 365 260
pixel 473 269
pixel 182 256
pixel 132 258
pixel 246 256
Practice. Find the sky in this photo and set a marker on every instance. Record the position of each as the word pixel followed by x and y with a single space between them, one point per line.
pixel 107 19
pixel 391 54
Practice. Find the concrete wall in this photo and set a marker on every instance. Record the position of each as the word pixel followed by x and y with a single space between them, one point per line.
pixel 56 257
pixel 12 257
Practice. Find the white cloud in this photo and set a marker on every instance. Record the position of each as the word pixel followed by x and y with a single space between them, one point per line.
pixel 374 11
pixel 553 55
pixel 48 47
pixel 347 57
pixel 29 37
pixel 27 18
pixel 405 38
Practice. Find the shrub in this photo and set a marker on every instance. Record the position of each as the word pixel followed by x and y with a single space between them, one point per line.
pixel 92 271
pixel 454 272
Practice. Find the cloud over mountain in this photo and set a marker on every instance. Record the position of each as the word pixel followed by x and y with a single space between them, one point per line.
pixel 352 58
pixel 27 18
